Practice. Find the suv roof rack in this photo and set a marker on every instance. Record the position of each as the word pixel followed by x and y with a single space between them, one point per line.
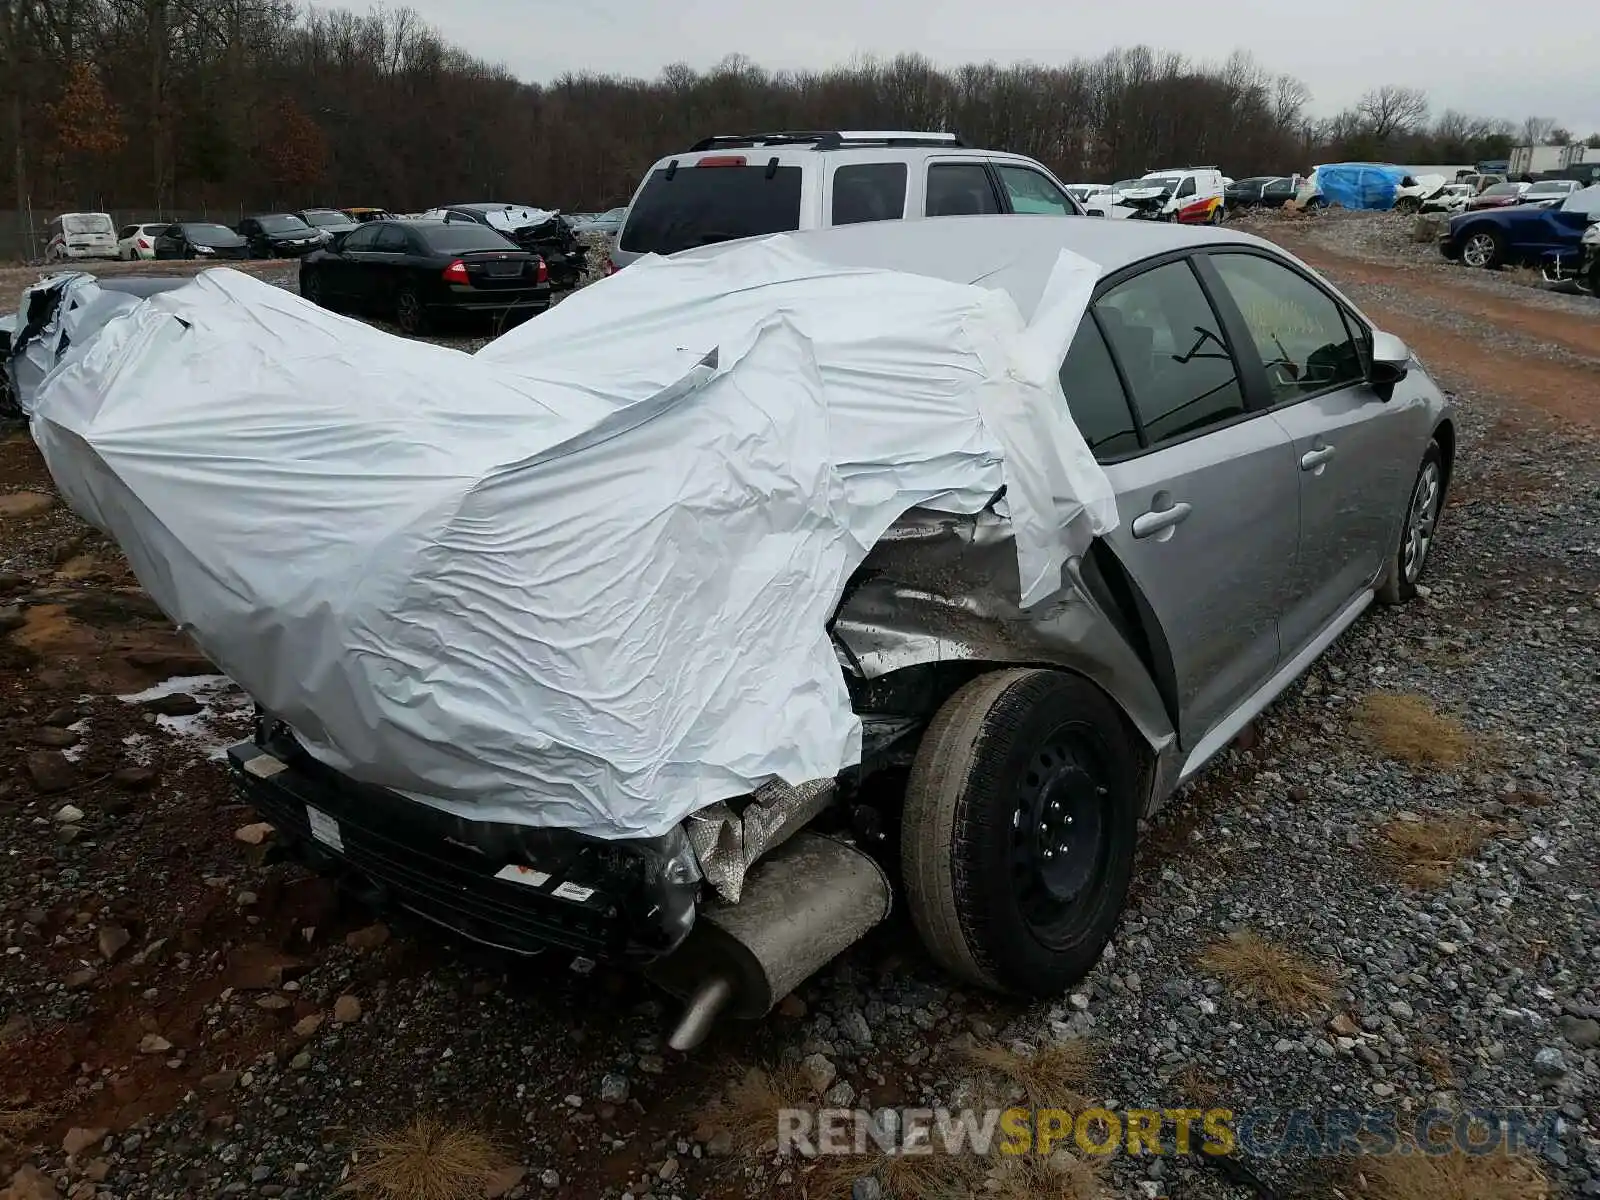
pixel 834 139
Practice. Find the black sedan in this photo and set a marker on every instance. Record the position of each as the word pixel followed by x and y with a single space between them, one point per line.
pixel 419 271
pixel 279 235
pixel 1265 191
pixel 199 239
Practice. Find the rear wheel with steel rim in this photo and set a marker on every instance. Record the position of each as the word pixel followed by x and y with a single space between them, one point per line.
pixel 1481 249
pixel 1417 530
pixel 409 313
pixel 1019 829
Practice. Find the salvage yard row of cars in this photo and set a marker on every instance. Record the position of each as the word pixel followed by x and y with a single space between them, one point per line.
pixel 713 773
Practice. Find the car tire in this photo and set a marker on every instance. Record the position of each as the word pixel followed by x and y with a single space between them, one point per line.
pixel 1007 763
pixel 1419 525
pixel 1484 248
pixel 409 312
pixel 1217 216
pixel 311 288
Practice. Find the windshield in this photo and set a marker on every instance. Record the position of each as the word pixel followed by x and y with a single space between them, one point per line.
pixel 1503 189
pixel 463 235
pixel 87 223
pixel 207 235
pixel 696 206
pixel 1552 187
pixel 284 224
pixel 328 218
pixel 1166 183
pixel 1123 185
pixel 1586 201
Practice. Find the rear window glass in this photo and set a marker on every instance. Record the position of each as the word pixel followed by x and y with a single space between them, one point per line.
pixel 457 236
pixel 205 234
pixel 869 192
pixel 87 223
pixel 702 205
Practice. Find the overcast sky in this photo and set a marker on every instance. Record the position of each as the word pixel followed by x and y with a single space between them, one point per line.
pixel 1464 52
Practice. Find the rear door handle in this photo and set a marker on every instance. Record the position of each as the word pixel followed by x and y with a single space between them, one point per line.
pixel 1312 459
pixel 1151 523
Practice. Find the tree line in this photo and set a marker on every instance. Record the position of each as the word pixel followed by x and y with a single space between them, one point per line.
pixel 161 105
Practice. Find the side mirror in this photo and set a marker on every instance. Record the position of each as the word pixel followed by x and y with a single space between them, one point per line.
pixel 1391 359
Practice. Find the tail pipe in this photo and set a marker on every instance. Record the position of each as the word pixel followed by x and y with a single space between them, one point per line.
pixel 809 900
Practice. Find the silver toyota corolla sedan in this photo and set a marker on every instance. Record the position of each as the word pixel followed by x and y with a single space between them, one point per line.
pixel 1279 464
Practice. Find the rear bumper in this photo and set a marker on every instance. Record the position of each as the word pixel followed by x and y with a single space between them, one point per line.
pixel 515 888
pixel 478 300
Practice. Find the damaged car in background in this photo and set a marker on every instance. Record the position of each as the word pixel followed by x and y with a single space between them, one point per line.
pixel 668 625
pixel 544 232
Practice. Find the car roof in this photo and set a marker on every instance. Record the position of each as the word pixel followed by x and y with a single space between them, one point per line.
pixel 1013 253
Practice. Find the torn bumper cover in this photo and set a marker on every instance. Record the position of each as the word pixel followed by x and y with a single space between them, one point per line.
pixel 510 886
pixel 581 580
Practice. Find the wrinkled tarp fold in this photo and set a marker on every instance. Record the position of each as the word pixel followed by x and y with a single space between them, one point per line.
pixel 583 577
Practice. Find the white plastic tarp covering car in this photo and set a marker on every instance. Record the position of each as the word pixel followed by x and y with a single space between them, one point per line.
pixel 83 309
pixel 582 578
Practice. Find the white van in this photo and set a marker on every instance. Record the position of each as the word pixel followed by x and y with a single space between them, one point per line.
pixel 81 235
pixel 1188 195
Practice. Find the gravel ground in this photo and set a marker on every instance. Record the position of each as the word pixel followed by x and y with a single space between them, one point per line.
pixel 1382 237
pixel 182 1017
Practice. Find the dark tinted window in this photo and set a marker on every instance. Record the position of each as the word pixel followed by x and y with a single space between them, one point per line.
pixel 391 239
pixel 361 239
pixel 1172 351
pixel 1095 396
pixel 959 189
pixel 1297 328
pixel 458 236
pixel 282 224
pixel 1031 192
pixel 869 192
pixel 701 205
pixel 205 235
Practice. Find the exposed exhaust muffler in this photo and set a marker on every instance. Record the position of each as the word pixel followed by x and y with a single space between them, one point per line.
pixel 812 898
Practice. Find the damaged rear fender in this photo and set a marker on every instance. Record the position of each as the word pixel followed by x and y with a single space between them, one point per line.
pixel 935 603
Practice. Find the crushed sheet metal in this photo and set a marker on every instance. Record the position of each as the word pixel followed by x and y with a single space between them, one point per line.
pixel 728 843
pixel 506 584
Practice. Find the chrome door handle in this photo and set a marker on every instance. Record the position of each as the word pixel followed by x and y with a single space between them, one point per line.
pixel 1153 522
pixel 1312 459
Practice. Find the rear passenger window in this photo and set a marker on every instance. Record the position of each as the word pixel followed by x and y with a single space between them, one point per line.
pixel 1031 192
pixel 1095 397
pixel 1172 351
pixel 959 190
pixel 392 240
pixel 869 192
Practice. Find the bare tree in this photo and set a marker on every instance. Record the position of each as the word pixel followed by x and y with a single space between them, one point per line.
pixel 1390 109
pixel 1536 129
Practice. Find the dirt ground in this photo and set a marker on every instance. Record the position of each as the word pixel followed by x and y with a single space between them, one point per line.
pixel 182 1016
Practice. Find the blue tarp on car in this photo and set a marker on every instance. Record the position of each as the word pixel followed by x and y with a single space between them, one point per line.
pixel 1359 185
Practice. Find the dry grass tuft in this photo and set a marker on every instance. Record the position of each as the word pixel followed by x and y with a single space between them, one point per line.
pixel 748 1107
pixel 1453 1176
pixel 1060 1176
pixel 1436 1061
pixel 1271 972
pixel 1055 1077
pixel 936 1176
pixel 1408 729
pixel 428 1160
pixel 1424 853
pixel 1198 1086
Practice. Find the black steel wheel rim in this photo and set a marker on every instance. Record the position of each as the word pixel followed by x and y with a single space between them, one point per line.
pixel 410 312
pixel 1060 833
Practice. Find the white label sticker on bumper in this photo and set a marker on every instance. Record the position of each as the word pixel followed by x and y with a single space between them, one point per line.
pixel 517 873
pixel 573 891
pixel 324 828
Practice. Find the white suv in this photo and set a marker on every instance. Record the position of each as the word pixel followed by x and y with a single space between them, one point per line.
pixel 745 185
